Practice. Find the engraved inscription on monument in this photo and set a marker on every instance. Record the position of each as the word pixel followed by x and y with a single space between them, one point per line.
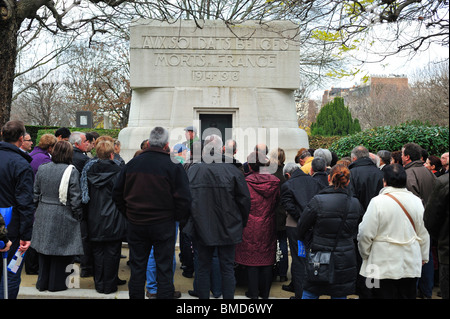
pixel 237 58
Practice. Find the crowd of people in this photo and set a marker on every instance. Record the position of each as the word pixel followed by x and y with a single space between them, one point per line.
pixel 379 221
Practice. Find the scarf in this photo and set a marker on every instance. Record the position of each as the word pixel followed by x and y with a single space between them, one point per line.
pixel 84 182
pixel 64 185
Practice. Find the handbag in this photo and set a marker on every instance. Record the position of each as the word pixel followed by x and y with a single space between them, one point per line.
pixel 320 265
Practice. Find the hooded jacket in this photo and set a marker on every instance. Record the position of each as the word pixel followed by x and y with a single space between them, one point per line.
pixel 259 243
pixel 105 221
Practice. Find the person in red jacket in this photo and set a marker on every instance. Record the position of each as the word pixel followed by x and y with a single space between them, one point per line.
pixel 258 248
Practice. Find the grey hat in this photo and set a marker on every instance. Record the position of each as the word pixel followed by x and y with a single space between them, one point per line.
pixel 191 128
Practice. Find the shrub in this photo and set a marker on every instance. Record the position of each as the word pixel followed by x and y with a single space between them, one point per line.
pixel 435 139
pixel 335 119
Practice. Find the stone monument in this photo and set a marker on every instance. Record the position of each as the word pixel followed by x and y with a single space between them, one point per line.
pixel 237 81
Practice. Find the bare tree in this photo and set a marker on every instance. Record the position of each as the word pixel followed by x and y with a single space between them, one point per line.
pixel 425 99
pixel 430 87
pixel 333 27
pixel 44 103
pixel 98 81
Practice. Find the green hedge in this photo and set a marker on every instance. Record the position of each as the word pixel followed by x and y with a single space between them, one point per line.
pixel 114 133
pixel 33 130
pixel 435 139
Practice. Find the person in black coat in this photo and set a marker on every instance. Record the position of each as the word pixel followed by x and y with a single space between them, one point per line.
pixel 80 146
pixel 16 190
pixel 296 192
pixel 320 229
pixel 219 213
pixel 319 171
pixel 366 179
pixel 153 193
pixel 105 224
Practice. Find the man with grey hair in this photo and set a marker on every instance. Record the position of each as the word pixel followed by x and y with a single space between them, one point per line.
pixel 79 159
pixel 325 154
pixel 385 158
pixel 290 168
pixel 219 213
pixel 80 145
pixel 319 170
pixel 366 181
pixel 153 192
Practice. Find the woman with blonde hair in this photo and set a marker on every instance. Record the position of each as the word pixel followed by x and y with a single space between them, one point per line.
pixel 106 225
pixel 328 224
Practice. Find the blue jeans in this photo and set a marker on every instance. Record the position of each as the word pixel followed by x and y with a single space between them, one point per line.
pixel 151 273
pixel 151 268
pixel 310 295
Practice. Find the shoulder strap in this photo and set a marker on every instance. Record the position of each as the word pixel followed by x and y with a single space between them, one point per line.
pixel 404 209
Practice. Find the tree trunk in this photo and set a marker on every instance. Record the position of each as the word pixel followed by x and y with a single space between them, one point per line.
pixel 9 27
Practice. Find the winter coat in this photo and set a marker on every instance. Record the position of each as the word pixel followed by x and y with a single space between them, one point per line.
pixel 16 185
pixel 259 240
pixel 39 157
pixel 388 244
pixel 419 180
pixel 436 216
pixel 104 220
pixel 366 180
pixel 297 192
pixel 56 229
pixel 318 228
pixel 220 203
pixel 152 189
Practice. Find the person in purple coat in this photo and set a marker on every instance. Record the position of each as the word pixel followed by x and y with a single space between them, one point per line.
pixel 41 153
pixel 257 251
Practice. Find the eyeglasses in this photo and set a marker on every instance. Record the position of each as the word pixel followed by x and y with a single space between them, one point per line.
pixel 28 140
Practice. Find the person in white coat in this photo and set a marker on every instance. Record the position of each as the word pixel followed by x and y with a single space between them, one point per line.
pixel 392 245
